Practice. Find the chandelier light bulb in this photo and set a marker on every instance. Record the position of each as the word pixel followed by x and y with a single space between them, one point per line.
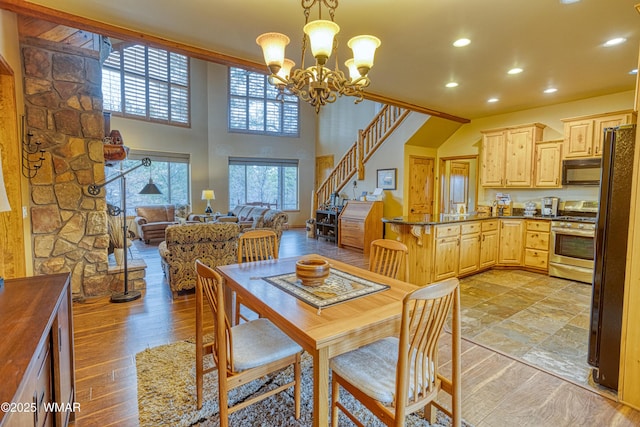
pixel 364 49
pixel 321 34
pixel 285 71
pixel 353 70
pixel 273 46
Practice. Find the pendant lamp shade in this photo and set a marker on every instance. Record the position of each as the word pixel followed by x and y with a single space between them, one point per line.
pixel 150 188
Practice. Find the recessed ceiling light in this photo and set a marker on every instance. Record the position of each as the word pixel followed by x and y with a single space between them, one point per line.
pixel 569 1
pixel 492 100
pixel 461 42
pixel 550 90
pixel 451 84
pixel 515 71
pixel 634 71
pixel 616 41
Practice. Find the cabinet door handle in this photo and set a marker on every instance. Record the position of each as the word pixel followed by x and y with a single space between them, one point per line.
pixel 478 237
pixel 59 339
pixel 458 241
pixel 589 150
pixel 483 236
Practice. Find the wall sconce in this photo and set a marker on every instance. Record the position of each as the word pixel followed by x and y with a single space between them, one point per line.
pixel 30 167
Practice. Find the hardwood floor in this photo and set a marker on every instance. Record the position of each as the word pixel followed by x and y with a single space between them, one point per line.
pixel 497 390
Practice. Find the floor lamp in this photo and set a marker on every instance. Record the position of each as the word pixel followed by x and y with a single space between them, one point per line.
pixel 94 190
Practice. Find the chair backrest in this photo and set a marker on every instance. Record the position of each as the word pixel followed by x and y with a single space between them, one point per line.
pixel 424 314
pixel 210 285
pixel 257 245
pixel 390 258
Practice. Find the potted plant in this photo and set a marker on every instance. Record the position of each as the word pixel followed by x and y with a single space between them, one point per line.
pixel 116 237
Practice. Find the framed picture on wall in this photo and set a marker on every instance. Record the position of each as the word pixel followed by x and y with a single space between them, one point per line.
pixel 387 179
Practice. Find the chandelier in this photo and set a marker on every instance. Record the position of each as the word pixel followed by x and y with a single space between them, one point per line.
pixel 318 84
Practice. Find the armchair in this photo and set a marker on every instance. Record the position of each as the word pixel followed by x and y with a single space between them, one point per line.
pixel 153 220
pixel 212 243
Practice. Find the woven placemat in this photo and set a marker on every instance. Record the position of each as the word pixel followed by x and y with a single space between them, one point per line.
pixel 338 287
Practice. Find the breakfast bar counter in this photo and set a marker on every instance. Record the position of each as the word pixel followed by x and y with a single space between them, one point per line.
pixel 444 245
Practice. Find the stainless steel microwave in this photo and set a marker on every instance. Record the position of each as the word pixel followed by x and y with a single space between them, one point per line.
pixel 581 171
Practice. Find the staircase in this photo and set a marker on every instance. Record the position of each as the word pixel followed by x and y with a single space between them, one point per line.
pixel 369 140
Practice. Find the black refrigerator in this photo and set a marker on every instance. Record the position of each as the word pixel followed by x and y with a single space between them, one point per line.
pixel 610 254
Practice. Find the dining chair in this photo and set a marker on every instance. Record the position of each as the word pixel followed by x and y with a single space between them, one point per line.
pixel 255 245
pixel 390 258
pixel 394 377
pixel 241 353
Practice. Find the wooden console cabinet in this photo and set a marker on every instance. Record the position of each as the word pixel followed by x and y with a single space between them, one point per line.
pixel 360 223
pixel 37 351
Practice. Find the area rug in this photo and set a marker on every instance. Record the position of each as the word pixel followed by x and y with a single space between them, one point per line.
pixel 167 395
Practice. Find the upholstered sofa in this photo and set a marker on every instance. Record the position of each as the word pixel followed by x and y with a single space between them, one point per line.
pixel 247 216
pixel 212 243
pixel 153 220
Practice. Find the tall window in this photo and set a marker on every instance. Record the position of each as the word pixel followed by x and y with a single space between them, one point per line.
pixel 253 107
pixel 147 83
pixel 272 182
pixel 169 171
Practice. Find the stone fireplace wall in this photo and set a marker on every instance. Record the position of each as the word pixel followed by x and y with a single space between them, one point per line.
pixel 63 105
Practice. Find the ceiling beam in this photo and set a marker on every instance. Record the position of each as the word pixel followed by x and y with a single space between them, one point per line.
pixel 59 17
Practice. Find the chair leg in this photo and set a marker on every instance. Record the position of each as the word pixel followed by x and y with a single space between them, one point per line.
pixel 430 413
pixel 335 396
pixel 199 376
pixel 297 387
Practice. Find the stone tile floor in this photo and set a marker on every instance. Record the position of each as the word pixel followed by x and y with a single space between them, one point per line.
pixel 533 317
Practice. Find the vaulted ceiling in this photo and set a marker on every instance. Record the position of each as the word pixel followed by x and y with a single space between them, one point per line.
pixel 556 44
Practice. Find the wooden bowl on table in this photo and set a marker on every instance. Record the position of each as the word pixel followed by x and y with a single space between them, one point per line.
pixel 312 271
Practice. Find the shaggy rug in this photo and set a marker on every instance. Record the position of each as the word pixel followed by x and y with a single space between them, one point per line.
pixel 167 394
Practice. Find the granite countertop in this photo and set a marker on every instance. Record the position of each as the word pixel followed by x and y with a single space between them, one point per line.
pixel 426 219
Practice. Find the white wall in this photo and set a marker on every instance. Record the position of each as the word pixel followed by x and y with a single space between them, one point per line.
pixel 223 144
pixel 209 144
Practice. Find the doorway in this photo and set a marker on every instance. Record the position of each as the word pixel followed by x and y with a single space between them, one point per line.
pixel 458 184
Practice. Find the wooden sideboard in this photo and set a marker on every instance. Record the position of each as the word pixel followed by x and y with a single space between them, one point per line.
pixel 359 224
pixel 37 369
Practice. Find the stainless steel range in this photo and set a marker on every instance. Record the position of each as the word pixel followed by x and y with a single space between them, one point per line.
pixel 573 241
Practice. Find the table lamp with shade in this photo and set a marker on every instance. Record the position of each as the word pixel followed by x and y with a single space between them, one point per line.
pixel 208 195
pixel 4 207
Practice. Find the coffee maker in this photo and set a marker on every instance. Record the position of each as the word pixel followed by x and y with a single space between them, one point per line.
pixel 550 206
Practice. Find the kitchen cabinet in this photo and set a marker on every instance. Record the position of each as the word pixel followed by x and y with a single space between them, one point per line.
pixel 536 252
pixel 469 261
pixel 359 224
pixel 492 158
pixel 489 244
pixel 37 316
pixel 507 155
pixel 327 225
pixel 446 250
pixel 583 135
pixel 548 164
pixel 511 245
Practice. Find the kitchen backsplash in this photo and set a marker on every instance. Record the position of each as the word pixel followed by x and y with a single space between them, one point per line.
pixel 521 196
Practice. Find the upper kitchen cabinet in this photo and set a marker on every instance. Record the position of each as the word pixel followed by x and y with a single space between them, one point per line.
pixel 583 135
pixel 507 155
pixel 548 164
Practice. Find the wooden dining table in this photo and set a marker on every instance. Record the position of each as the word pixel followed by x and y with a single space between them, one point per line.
pixel 326 332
